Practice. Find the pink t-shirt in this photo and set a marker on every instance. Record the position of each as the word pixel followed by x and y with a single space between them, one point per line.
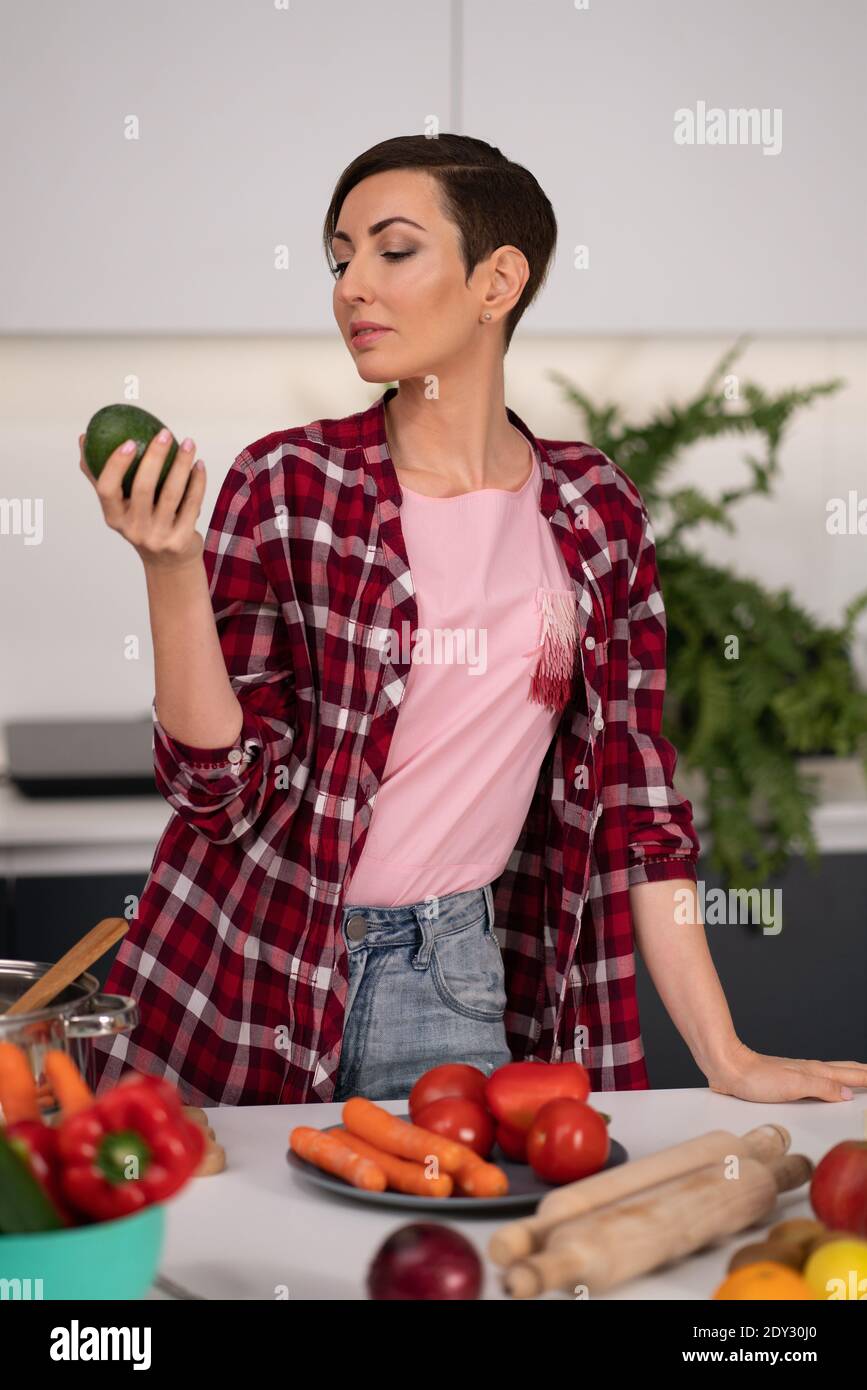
pixel 496 616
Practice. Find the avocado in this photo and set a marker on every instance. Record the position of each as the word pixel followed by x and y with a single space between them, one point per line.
pixel 112 426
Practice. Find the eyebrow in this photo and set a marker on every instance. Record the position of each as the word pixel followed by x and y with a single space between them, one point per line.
pixel 378 227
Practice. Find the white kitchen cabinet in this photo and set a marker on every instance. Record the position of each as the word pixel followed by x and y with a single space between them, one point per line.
pixel 246 114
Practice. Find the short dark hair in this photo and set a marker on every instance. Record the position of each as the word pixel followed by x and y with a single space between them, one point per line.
pixel 493 202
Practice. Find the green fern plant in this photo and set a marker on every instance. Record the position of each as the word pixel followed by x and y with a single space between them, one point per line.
pixel 792 690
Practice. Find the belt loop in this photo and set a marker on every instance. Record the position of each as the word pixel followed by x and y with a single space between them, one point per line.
pixel 425 916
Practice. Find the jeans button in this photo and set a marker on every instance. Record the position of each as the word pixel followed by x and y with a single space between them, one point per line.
pixel 356 928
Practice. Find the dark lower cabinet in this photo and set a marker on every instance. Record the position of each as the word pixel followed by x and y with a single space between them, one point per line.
pixel 43 917
pixel 799 993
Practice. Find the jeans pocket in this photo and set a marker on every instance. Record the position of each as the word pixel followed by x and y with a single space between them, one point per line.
pixel 467 970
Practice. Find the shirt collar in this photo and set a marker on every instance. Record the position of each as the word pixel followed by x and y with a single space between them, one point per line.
pixel 374 442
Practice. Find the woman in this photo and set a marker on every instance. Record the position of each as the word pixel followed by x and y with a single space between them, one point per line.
pixel 319 917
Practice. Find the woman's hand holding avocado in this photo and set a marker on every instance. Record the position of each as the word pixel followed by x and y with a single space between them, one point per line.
pixel 194 701
pixel 162 530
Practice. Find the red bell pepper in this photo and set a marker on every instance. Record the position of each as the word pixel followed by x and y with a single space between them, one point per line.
pixel 514 1093
pixel 131 1147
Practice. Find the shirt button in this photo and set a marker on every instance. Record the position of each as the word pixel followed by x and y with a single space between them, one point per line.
pixel 557 1053
pixel 599 722
pixel 235 756
pixel 590 643
pixel 356 928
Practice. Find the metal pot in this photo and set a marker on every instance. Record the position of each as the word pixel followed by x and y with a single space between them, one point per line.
pixel 79 1014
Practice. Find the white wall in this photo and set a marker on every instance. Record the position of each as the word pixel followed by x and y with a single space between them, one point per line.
pixel 70 602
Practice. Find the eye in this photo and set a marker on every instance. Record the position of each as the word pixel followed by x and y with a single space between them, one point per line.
pixel 338 269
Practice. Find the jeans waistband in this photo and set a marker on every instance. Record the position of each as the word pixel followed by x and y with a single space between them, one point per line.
pixel 438 915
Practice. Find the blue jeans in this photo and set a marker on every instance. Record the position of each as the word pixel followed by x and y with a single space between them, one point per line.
pixel 426 986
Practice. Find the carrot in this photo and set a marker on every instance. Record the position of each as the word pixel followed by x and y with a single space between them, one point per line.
pixel 385 1131
pixel 18 1095
pixel 401 1175
pixel 69 1086
pixel 481 1179
pixel 333 1157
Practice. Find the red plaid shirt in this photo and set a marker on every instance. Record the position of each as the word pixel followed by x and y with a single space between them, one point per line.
pixel 236 956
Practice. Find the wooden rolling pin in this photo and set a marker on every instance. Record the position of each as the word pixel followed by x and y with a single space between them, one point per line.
pixel 520 1238
pixel 654 1227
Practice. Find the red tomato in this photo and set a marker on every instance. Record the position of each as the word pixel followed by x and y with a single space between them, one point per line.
pixel 516 1091
pixel 452 1079
pixel 513 1142
pixel 462 1120
pixel 567 1140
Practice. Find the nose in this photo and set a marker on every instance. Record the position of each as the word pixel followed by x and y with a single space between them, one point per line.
pixel 354 299
pixel 350 288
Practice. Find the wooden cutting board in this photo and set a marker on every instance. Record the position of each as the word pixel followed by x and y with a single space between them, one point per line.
pixel 214 1160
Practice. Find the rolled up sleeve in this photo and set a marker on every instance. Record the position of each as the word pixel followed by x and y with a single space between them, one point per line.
pixel 663 843
pixel 222 792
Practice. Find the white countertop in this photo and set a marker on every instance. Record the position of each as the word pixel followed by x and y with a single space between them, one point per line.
pixel 79 834
pixel 257 1226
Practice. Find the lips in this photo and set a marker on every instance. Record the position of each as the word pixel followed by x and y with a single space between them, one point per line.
pixel 364 333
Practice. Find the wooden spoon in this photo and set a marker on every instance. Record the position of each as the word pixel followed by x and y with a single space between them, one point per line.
pixel 92 945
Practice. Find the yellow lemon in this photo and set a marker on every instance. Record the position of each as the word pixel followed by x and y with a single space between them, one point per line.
pixel 838 1269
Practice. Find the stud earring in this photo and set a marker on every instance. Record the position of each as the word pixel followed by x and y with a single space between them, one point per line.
pixel 486 316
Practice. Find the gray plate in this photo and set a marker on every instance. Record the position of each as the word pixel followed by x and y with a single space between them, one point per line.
pixel 525 1189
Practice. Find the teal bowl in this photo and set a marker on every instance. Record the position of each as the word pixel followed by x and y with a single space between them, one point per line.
pixel 110 1259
